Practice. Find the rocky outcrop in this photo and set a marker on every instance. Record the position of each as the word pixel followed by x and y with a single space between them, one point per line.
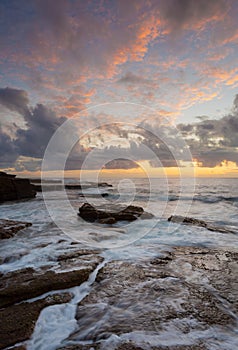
pixel 189 292
pixel 28 283
pixel 17 322
pixel 31 283
pixel 196 222
pixel 13 188
pixel 68 268
pixel 8 228
pixel 91 214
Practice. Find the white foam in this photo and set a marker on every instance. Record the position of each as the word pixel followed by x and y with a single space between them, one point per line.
pixel 57 322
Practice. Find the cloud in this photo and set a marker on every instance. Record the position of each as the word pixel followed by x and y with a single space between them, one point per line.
pixel 15 100
pixel 130 78
pixel 40 125
pixel 121 163
pixel 8 151
pixel 213 141
pixel 192 14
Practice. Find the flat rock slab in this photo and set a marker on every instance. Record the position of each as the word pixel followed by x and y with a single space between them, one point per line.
pixel 8 228
pixel 73 269
pixel 201 223
pixel 193 292
pixel 17 322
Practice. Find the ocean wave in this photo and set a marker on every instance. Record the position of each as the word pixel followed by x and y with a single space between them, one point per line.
pixel 204 198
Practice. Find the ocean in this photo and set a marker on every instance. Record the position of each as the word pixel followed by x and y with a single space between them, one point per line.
pixel 56 225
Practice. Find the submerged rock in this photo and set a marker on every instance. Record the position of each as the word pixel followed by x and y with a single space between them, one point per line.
pixel 197 222
pixel 17 322
pixel 192 292
pixel 8 228
pixel 91 214
pixel 12 188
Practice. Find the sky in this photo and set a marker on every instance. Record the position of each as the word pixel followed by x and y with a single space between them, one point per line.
pixel 164 67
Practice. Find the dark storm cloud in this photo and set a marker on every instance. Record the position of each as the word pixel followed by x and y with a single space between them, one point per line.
pixel 213 141
pixel 15 100
pixel 8 151
pixel 41 123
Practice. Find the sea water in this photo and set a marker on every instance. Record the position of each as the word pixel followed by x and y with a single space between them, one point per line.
pixel 55 224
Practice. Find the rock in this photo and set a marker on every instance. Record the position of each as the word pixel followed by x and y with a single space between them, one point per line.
pixel 104 184
pixel 131 213
pixel 12 188
pixel 37 187
pixel 73 187
pixel 108 221
pixel 8 228
pixel 17 322
pixel 3 174
pixel 191 290
pixel 93 195
pixel 85 186
pixel 28 283
pixel 196 222
pixel 105 194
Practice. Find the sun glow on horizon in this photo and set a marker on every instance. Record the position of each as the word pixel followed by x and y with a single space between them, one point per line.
pixel 224 169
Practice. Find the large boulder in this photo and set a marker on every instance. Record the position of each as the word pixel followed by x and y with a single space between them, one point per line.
pixel 12 188
pixel 91 214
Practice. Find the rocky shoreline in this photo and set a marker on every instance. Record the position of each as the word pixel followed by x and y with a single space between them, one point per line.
pixel 189 289
pixel 131 304
pixel 13 188
pixel 185 298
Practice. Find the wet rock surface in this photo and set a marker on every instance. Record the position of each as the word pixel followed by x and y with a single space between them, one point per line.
pixel 131 213
pixel 8 228
pixel 73 269
pixel 17 322
pixel 201 223
pixel 189 292
pixel 131 346
pixel 12 188
pixel 69 268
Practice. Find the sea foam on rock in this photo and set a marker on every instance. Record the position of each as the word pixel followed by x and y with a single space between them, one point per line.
pixel 8 228
pixel 28 283
pixel 192 291
pixel 17 322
